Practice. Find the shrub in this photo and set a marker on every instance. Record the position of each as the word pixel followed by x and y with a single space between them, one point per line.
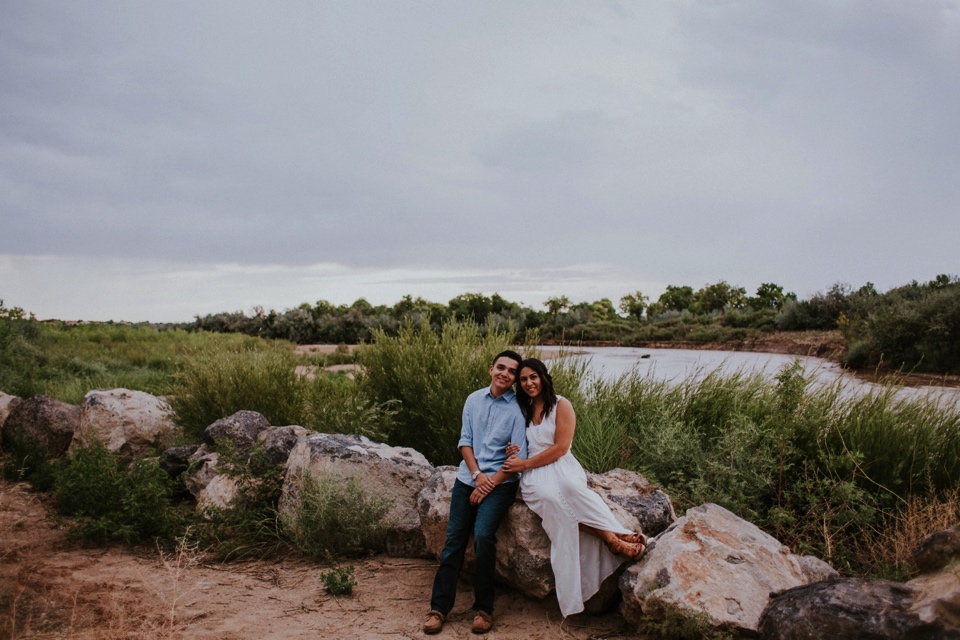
pixel 430 376
pixel 113 501
pixel 214 384
pixel 336 516
pixel 335 404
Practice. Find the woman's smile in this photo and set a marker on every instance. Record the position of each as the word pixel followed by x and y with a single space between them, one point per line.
pixel 530 382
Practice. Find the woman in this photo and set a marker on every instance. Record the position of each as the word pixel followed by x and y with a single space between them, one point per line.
pixel 585 537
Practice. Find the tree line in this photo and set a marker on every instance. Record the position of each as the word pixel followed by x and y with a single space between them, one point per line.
pixel 915 326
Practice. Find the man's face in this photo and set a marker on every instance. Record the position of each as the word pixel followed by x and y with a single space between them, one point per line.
pixel 503 372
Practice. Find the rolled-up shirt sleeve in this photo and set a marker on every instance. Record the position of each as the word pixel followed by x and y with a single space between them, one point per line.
pixel 466 429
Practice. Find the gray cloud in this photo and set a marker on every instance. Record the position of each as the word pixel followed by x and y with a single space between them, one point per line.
pixel 800 142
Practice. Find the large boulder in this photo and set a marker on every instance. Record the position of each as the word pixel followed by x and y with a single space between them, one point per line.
pixel 712 562
pixel 43 421
pixel 523 548
pixel 7 403
pixel 394 473
pixel 847 608
pixel 130 424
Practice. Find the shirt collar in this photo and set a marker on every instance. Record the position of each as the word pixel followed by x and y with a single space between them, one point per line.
pixel 506 395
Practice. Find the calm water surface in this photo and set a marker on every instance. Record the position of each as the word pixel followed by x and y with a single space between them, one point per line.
pixel 676 365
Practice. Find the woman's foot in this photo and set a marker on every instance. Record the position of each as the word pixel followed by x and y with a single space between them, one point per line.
pixel 633 538
pixel 632 550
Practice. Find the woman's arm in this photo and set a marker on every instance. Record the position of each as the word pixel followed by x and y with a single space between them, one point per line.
pixel 562 439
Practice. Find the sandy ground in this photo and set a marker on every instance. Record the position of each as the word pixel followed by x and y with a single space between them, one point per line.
pixel 53 588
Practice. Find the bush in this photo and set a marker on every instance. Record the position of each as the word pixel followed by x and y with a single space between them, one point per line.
pixel 429 376
pixel 335 404
pixel 214 384
pixel 113 501
pixel 336 516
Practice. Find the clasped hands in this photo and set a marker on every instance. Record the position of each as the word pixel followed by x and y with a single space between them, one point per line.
pixel 485 483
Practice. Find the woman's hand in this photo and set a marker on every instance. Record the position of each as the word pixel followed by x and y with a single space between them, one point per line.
pixel 512 449
pixel 514 464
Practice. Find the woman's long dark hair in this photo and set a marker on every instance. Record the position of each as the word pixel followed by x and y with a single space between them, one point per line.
pixel 546 390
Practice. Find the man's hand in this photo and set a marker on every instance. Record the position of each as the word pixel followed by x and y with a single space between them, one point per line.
pixel 485 485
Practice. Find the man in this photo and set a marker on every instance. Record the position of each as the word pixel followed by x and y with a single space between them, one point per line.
pixel 482 493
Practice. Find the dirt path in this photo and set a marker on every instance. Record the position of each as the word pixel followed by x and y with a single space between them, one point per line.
pixel 52 588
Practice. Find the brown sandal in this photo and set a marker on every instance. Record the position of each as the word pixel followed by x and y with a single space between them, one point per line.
pixel 633 538
pixel 632 550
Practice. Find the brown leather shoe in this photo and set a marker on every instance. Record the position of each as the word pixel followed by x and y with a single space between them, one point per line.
pixel 482 622
pixel 433 623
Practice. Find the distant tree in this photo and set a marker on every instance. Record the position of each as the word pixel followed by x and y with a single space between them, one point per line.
pixel 557 305
pixel 676 298
pixel 634 304
pixel 719 296
pixel 770 296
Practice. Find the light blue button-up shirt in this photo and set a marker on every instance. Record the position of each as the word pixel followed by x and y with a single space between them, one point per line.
pixel 490 423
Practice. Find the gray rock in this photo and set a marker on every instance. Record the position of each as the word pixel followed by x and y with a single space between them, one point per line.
pixel 846 608
pixel 130 424
pixel 405 539
pixel 937 592
pixel 241 429
pixel 44 421
pixel 7 403
pixel 650 508
pixel 175 460
pixel 202 465
pixel 278 442
pixel 396 474
pixel 937 550
pixel 710 562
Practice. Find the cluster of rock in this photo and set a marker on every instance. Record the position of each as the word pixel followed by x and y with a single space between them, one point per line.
pixel 708 563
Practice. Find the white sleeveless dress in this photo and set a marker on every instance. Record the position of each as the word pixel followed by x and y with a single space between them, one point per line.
pixel 558 493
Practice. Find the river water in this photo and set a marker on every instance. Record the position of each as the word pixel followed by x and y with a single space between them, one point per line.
pixel 677 365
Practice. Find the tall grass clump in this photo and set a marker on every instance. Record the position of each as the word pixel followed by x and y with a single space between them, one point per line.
pixel 336 516
pixel 215 383
pixel 429 375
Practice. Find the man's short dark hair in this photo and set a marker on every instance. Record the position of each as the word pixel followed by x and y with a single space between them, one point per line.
pixel 513 355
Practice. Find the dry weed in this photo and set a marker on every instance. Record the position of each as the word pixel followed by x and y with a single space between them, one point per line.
pixel 919 517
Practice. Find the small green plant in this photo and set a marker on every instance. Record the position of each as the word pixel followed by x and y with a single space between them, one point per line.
pixel 336 516
pixel 339 581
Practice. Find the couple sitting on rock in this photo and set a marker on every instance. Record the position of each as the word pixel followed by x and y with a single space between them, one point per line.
pixel 526 434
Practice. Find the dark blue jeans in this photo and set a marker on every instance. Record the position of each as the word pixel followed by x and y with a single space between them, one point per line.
pixel 482 521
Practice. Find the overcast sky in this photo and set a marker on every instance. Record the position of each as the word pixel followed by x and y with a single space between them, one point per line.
pixel 164 160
